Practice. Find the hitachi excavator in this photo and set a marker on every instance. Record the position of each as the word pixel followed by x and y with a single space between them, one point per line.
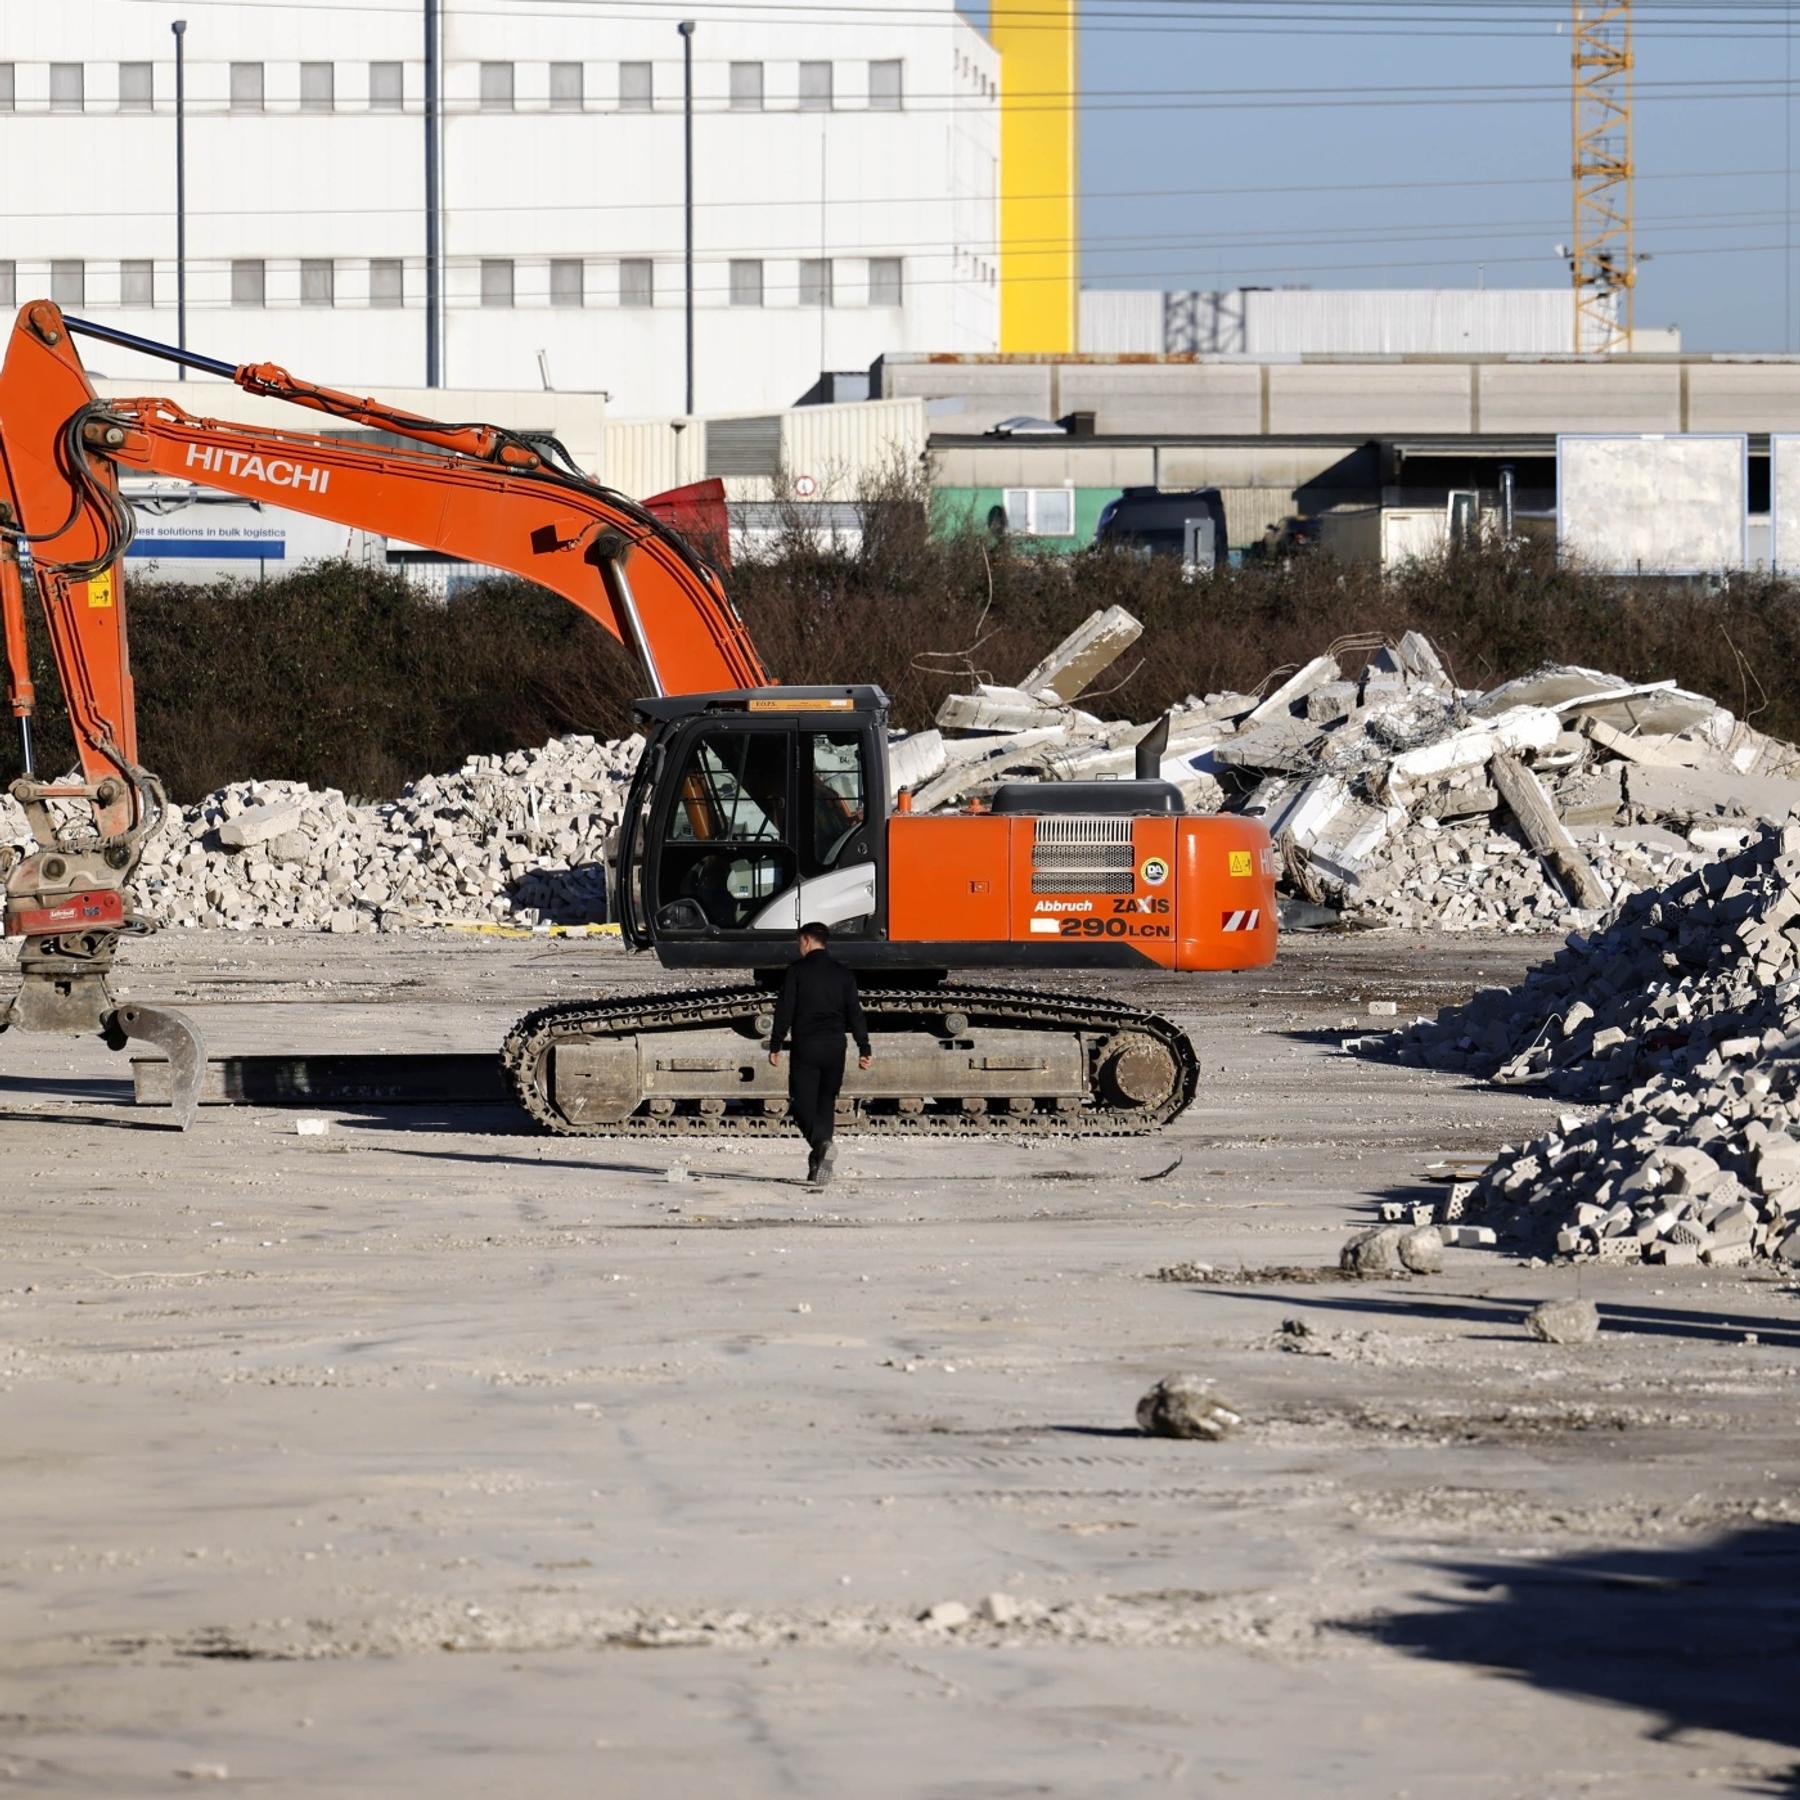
pixel 755 807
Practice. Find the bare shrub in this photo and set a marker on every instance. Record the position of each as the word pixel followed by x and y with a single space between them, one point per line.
pixel 349 678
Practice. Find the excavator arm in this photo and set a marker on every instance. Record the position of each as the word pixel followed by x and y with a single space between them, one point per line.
pixel 475 492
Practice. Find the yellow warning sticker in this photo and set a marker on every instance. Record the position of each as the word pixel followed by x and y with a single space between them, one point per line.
pixel 1242 863
pixel 100 590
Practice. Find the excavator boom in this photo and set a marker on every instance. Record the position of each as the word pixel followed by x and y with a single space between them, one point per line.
pixel 475 492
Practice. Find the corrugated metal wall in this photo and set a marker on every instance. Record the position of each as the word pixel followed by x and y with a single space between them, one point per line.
pixel 1121 321
pixel 1249 510
pixel 826 452
pixel 1392 322
pixel 846 450
pixel 1332 321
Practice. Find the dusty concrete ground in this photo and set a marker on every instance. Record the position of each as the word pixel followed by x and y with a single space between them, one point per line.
pixel 426 1457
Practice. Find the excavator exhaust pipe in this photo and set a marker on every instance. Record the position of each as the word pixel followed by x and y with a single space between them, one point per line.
pixel 1152 747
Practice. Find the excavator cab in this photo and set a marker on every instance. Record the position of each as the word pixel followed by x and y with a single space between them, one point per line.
pixel 753 812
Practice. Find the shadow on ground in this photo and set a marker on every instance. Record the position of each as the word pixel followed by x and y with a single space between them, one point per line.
pixel 1706 1636
pixel 1617 1317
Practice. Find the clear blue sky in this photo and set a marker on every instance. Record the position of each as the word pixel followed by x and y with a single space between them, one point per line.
pixel 1718 265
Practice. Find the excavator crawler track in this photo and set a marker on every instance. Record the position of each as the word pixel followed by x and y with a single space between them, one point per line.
pixel 1135 1071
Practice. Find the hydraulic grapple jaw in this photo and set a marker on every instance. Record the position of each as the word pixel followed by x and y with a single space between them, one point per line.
pixel 65 902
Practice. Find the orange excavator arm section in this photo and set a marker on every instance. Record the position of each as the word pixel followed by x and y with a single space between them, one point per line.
pixel 479 494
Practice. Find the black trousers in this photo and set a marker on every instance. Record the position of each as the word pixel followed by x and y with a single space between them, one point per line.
pixel 815 1074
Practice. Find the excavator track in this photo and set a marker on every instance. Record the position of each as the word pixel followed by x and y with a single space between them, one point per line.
pixel 1124 1071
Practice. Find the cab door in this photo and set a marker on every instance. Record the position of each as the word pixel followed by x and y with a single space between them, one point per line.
pixel 722 838
pixel 840 873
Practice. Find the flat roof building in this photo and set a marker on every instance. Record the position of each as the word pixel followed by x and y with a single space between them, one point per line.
pixel 845 191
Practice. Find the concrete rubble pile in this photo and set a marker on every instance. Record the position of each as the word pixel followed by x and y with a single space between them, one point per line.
pixel 517 839
pixel 1686 1014
pixel 1686 976
pixel 1391 793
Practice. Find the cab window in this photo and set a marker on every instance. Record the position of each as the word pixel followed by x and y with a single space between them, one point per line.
pixel 726 846
pixel 837 792
pixel 733 789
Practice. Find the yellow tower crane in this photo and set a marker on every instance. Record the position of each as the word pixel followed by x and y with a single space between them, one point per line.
pixel 1603 258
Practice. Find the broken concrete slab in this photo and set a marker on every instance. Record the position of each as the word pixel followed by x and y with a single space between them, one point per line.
pixel 994 709
pixel 1083 656
pixel 1318 673
pixel 1473 747
pixel 1280 746
pixel 1655 752
pixel 915 759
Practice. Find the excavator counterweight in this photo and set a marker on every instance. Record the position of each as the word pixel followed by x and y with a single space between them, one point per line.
pixel 756 807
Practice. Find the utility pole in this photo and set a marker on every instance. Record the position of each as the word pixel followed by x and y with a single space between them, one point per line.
pixel 1603 258
pixel 179 27
pixel 434 272
pixel 686 28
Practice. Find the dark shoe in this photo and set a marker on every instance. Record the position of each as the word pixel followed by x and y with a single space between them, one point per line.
pixel 827 1161
pixel 812 1167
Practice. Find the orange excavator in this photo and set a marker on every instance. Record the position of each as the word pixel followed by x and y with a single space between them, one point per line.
pixel 754 806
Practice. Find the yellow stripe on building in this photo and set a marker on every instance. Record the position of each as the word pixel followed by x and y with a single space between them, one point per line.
pixel 1039 217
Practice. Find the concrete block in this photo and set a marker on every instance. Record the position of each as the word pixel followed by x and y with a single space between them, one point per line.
pixel 257 824
pixel 1564 1322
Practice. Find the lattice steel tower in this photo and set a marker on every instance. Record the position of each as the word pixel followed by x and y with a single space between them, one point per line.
pixel 1604 258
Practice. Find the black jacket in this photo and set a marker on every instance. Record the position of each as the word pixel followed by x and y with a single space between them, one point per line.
pixel 818 1000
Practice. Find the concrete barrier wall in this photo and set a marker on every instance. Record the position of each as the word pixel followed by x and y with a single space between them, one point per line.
pixel 1361 397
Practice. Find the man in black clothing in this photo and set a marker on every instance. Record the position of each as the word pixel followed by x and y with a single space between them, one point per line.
pixel 818 1006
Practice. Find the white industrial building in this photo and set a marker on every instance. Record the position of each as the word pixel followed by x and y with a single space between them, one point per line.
pixel 845 179
pixel 1339 322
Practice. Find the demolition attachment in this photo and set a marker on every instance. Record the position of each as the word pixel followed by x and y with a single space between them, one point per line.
pixel 65 898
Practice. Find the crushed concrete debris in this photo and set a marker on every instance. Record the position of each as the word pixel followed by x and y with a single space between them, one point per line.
pixel 518 839
pixel 1185 1406
pixel 1397 797
pixel 1392 795
pixel 1685 1014
pixel 1687 978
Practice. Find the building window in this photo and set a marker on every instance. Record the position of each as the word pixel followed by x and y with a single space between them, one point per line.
pixel 247 284
pixel 815 281
pixel 246 87
pixel 815 87
pixel 387 281
pixel 497 90
pixel 9 284
pixel 637 87
pixel 566 286
pixel 318 87
pixel 137 86
pixel 68 87
pixel 6 87
pixel 566 93
pixel 746 87
pixel 137 282
pixel 637 281
pixel 884 86
pixel 496 282
pixel 318 281
pixel 387 86
pixel 68 283
pixel 1040 512
pixel 746 284
pixel 885 288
